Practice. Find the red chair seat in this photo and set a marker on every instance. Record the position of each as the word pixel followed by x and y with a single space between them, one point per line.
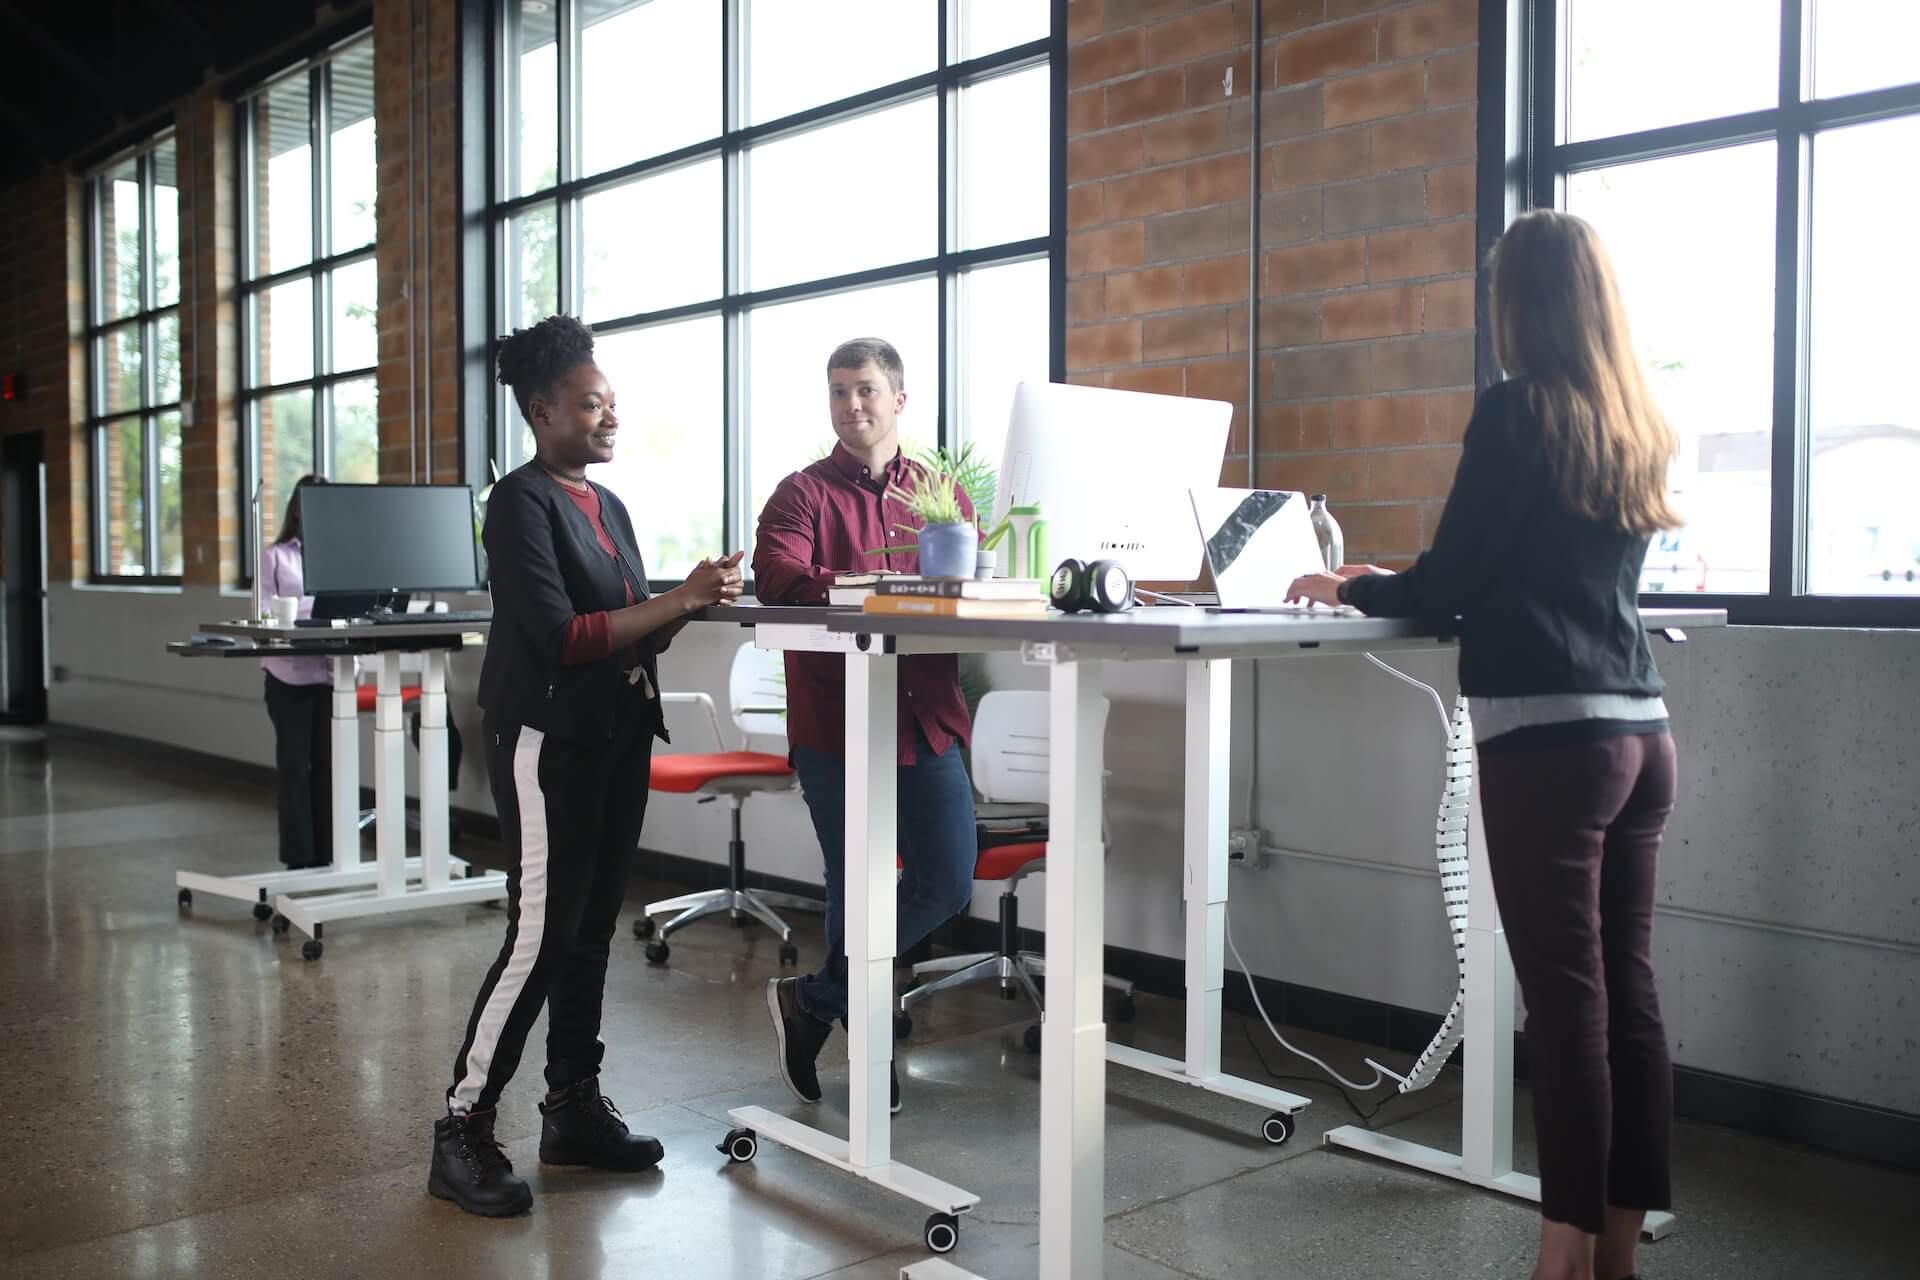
pixel 1001 862
pixel 365 695
pixel 686 773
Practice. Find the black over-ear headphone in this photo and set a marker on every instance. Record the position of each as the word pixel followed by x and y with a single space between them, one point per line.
pixel 1100 587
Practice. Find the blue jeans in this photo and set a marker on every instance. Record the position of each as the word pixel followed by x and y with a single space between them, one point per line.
pixel 938 846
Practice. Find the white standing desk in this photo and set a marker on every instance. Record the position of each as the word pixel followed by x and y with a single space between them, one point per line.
pixel 1074 1048
pixel 351 888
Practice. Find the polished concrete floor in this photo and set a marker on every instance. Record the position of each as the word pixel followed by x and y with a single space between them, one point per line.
pixel 186 1097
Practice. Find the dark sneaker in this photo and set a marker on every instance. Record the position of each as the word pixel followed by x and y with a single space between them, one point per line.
pixel 800 1036
pixel 470 1169
pixel 582 1126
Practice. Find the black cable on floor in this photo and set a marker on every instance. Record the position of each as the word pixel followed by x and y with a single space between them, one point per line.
pixel 1365 1117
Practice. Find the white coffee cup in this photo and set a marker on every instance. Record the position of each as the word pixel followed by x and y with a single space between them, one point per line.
pixel 285 609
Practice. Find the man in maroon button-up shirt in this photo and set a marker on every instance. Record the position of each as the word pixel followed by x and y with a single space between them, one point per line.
pixel 819 522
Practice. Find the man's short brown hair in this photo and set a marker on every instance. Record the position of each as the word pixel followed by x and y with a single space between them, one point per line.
pixel 856 352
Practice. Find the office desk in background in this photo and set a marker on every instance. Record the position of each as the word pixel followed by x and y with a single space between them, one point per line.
pixel 352 888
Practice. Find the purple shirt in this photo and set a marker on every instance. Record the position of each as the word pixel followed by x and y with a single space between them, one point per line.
pixel 280 575
pixel 822 521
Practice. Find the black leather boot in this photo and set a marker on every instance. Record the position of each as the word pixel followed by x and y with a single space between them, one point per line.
pixel 580 1126
pixel 470 1169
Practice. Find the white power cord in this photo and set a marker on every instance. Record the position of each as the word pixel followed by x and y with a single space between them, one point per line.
pixel 1453 885
pixel 1380 1073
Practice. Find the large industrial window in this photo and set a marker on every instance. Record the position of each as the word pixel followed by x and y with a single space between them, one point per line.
pixel 133 366
pixel 727 189
pixel 308 330
pixel 1749 164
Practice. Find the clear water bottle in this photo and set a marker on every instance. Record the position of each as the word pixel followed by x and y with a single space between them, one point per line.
pixel 1333 547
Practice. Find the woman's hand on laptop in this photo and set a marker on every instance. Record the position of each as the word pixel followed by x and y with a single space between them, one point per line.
pixel 1321 587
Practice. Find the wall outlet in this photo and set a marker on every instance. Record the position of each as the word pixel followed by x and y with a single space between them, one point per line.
pixel 1244 847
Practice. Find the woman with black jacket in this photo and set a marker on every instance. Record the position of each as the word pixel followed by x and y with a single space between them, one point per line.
pixel 1562 481
pixel 571 707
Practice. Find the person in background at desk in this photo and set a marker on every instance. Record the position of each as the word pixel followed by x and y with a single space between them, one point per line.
pixel 819 522
pixel 1562 480
pixel 298 692
pixel 571 707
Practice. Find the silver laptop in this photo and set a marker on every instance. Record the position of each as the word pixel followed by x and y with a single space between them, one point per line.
pixel 1257 542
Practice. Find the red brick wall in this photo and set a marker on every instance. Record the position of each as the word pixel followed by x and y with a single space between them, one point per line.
pixel 40 225
pixel 213 515
pixel 1365 357
pixel 417 97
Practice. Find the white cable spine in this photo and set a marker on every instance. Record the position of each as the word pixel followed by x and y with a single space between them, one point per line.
pixel 1450 850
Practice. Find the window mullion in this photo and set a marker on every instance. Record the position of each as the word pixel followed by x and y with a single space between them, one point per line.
pixel 1786 561
pixel 733 321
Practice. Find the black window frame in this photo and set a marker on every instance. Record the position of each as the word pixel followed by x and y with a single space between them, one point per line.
pixel 99 332
pixel 1524 164
pixel 320 269
pixel 485 24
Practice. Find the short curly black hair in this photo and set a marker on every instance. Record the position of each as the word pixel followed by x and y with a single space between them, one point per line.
pixel 532 360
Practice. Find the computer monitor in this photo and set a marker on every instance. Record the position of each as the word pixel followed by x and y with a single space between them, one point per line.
pixel 388 538
pixel 1111 472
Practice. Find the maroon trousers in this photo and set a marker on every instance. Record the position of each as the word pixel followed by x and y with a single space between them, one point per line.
pixel 1573 834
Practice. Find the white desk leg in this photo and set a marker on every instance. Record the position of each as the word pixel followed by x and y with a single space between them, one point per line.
pixel 1486 1110
pixel 390 778
pixel 1073 1050
pixel 1209 722
pixel 433 768
pixel 873 730
pixel 346 766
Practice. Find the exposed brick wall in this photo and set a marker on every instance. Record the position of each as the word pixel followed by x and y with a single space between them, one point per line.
pixel 41 246
pixel 417 99
pixel 40 226
pixel 213 516
pixel 1365 357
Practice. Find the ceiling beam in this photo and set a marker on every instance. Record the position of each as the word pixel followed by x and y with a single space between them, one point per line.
pixel 73 63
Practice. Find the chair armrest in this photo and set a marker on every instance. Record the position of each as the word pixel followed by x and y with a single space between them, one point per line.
pixel 704 700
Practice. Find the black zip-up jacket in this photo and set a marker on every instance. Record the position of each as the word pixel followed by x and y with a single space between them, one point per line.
pixel 544 568
pixel 1547 599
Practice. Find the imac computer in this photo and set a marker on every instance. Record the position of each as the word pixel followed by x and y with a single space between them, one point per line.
pixel 368 545
pixel 1111 472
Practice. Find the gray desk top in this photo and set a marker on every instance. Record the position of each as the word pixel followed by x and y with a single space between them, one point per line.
pixel 1172 628
pixel 1179 629
pixel 266 640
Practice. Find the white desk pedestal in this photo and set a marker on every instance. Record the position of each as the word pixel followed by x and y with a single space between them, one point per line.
pixel 871 931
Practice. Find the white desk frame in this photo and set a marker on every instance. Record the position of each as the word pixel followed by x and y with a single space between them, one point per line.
pixel 351 887
pixel 1074 1048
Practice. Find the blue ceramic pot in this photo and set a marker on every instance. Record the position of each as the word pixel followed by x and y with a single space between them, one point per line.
pixel 948 550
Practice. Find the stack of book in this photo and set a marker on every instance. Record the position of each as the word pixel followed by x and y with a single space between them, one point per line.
pixel 956 597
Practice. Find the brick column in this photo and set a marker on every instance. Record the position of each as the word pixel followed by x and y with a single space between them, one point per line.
pixel 1366 235
pixel 417 98
pixel 214 512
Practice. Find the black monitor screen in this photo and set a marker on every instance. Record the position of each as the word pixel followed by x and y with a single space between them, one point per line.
pixel 388 537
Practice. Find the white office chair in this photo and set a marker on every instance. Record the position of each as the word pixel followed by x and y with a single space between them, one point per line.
pixel 1010 767
pixel 757 690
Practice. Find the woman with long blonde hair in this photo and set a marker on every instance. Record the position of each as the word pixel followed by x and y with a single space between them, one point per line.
pixel 1562 481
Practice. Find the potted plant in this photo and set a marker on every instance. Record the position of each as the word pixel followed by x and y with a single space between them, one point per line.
pixel 948 541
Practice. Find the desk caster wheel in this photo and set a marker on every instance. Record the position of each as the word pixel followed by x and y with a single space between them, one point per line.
pixel 1031 1038
pixel 740 1145
pixel 263 911
pixel 657 952
pixel 643 928
pixel 281 924
pixel 1122 1010
pixel 310 949
pixel 1277 1128
pixel 184 898
pixel 902 1025
pixel 789 954
pixel 941 1233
